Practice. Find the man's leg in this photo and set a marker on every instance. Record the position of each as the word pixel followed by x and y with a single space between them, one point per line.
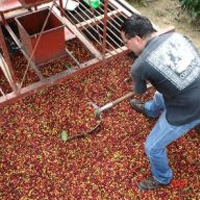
pixel 162 135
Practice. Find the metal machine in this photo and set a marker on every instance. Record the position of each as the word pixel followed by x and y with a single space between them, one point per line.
pixel 43 31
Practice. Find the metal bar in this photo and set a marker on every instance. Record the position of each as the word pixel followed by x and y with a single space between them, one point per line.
pixel 105 25
pixel 4 95
pixel 67 1
pixel 70 54
pixel 12 79
pixel 111 11
pixel 114 7
pixel 5 70
pixel 61 7
pixel 114 19
pixel 3 17
pixel 119 50
pixel 2 92
pixel 95 20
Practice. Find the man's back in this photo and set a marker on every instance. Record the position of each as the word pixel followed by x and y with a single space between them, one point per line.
pixel 172 64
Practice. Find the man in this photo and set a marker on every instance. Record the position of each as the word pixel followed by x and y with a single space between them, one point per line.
pixel 171 64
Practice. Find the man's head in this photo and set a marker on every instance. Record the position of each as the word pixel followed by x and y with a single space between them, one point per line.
pixel 134 32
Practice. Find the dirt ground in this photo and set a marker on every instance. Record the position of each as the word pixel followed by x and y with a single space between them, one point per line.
pixel 164 13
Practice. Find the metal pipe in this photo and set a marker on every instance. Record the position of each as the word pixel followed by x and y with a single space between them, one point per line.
pixel 2 92
pixel 5 69
pixel 105 25
pixel 70 54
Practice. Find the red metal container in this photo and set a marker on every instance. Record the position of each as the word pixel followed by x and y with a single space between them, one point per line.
pixel 52 42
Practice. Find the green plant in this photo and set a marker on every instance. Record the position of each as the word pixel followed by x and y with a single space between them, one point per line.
pixel 193 8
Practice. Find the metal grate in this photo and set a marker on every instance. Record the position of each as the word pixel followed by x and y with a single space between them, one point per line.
pixel 98 31
pixel 90 22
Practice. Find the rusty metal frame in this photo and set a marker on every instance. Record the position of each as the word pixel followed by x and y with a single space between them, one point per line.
pixel 119 9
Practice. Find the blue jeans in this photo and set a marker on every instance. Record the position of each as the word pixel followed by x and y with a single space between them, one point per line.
pixel 162 135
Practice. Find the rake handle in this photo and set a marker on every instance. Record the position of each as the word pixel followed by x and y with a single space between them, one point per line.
pixel 115 102
pixel 126 96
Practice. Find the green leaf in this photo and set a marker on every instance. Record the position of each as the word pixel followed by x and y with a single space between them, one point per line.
pixel 67 66
pixel 64 136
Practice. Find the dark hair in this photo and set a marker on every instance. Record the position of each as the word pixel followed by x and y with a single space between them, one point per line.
pixel 137 25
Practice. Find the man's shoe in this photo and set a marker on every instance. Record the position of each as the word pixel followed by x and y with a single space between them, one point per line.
pixel 150 184
pixel 138 106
